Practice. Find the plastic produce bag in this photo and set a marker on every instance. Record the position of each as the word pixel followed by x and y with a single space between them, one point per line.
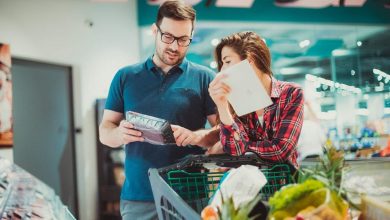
pixel 242 184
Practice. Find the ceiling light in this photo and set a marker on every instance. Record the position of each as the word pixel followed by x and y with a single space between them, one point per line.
pixel 381 75
pixel 213 64
pixel 317 70
pixel 310 77
pixel 234 3
pixel 353 72
pixel 215 42
pixel 304 43
pixel 325 83
pixel 380 72
pixel 291 70
pixel 341 52
pixel 359 43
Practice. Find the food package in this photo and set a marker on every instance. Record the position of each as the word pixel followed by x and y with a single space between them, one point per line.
pixel 154 130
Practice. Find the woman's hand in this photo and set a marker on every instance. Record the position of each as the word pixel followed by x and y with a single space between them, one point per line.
pixel 216 149
pixel 184 136
pixel 219 91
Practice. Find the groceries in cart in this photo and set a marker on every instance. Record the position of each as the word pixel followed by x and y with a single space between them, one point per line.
pixel 318 195
pixel 185 189
pixel 236 198
pixel 231 185
pixel 308 200
pixel 154 130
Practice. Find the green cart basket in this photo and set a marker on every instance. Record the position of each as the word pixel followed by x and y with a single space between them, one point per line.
pixel 182 190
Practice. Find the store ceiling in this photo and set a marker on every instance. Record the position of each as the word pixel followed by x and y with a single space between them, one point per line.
pixel 341 42
pixel 298 50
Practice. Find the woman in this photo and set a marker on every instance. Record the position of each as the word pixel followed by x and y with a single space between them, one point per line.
pixel 271 132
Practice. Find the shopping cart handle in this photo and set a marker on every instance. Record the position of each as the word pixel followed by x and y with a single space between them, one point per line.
pixel 222 160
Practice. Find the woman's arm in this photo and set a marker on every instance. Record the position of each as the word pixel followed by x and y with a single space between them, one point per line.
pixel 278 148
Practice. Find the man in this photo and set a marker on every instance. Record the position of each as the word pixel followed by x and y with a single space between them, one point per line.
pixel 167 86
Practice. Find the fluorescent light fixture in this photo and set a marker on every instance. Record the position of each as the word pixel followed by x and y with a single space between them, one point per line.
pixel 341 52
pixel 379 72
pixel 234 3
pixel 340 86
pixel 291 70
pixel 381 75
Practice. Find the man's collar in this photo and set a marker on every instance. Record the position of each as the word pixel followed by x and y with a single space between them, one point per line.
pixel 180 68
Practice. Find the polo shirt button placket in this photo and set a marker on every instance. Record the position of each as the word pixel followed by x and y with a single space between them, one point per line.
pixel 162 88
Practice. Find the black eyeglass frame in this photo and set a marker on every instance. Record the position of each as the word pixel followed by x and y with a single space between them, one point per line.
pixel 177 39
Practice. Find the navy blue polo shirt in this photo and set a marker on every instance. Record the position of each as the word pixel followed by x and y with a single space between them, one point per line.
pixel 181 97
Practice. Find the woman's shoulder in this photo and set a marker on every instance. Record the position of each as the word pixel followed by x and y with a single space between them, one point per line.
pixel 289 87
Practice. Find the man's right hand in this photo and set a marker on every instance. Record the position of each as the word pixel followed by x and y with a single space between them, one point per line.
pixel 128 133
pixel 115 132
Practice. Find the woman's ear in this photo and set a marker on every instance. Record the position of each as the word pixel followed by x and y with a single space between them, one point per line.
pixel 251 62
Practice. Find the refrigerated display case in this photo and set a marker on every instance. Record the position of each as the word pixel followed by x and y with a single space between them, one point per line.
pixel 23 196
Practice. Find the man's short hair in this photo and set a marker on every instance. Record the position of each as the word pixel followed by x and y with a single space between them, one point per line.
pixel 177 10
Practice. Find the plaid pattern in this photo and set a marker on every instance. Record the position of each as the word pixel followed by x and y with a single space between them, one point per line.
pixel 276 139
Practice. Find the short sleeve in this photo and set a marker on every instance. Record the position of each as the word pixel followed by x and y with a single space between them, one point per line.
pixel 115 95
pixel 209 105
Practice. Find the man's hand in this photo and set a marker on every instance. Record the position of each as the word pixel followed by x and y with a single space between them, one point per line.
pixel 184 136
pixel 128 134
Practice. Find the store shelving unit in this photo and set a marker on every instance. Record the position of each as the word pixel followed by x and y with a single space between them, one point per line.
pixel 109 187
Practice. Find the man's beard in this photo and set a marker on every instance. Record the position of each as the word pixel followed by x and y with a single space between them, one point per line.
pixel 164 57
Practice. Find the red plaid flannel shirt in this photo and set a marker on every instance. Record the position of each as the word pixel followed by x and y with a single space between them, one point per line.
pixel 276 140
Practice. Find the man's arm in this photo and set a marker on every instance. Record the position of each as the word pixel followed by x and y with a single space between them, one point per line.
pixel 115 132
pixel 203 137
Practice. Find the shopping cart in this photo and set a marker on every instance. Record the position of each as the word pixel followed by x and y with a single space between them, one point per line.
pixel 182 190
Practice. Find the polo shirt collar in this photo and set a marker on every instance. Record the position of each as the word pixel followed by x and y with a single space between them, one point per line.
pixel 180 68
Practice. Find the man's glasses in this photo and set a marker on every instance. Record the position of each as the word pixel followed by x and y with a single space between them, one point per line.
pixel 169 39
